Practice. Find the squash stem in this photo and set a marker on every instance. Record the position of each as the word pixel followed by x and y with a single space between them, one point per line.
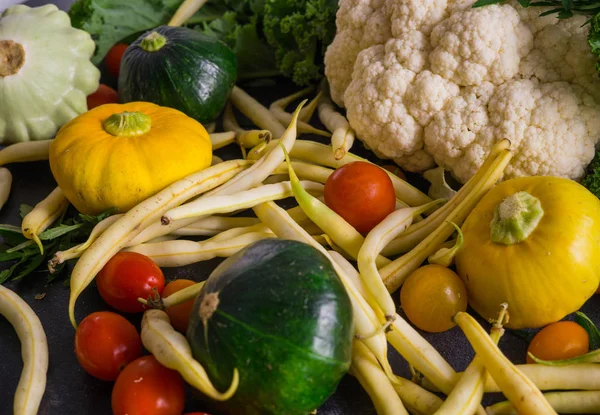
pixel 153 42
pixel 515 218
pixel 127 124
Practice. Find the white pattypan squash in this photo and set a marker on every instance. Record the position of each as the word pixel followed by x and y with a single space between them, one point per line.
pixel 45 72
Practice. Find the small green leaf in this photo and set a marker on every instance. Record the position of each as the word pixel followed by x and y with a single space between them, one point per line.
pixel 58 231
pixel 589 326
pixel 10 228
pixel 24 210
pixel 482 3
pixel 7 273
pixel 33 263
pixel 9 256
pixel 20 247
pixel 98 218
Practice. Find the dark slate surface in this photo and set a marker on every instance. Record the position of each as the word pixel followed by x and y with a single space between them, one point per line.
pixel 71 390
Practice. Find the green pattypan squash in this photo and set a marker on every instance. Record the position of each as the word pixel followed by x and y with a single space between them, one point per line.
pixel 45 72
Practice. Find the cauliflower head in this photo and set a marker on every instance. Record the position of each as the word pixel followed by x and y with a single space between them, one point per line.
pixel 428 82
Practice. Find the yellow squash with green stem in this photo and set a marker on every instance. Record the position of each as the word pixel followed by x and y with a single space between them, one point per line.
pixel 533 243
pixel 117 155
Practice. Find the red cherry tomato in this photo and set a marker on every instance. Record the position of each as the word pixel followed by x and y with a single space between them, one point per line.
pixel 361 193
pixel 113 59
pixel 179 314
pixel 105 343
pixel 104 95
pixel 145 387
pixel 126 277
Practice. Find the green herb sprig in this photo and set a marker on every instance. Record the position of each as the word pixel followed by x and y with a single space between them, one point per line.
pixel 563 9
pixel 69 230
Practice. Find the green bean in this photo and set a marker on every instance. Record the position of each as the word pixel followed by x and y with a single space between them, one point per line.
pixel 172 350
pixel 238 201
pixel 180 253
pixel 24 152
pixel 584 376
pixel 444 256
pixel 256 112
pixel 322 155
pixel 5 184
pixel 214 225
pixel 417 351
pixel 179 297
pixel 419 231
pixel 124 230
pixel 340 231
pixel 395 273
pixel 466 396
pixel 519 389
pixel 34 352
pixel 220 140
pixel 580 402
pixel 343 136
pixel 394 224
pixel 43 215
pixel 374 380
pixel 245 138
pixel 277 108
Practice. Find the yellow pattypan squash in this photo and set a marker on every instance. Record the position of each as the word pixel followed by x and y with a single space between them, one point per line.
pixel 533 243
pixel 118 155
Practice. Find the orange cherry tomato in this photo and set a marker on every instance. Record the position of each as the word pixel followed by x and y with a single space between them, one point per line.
pixel 392 168
pixel 431 296
pixel 145 387
pixel 103 95
pixel 114 57
pixel 126 277
pixel 105 343
pixel 361 193
pixel 180 313
pixel 557 341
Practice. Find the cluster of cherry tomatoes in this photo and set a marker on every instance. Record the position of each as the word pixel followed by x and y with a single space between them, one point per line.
pixel 109 347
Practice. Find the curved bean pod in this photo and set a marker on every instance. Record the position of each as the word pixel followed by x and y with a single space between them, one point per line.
pixel 43 215
pixel 173 351
pixel 27 151
pixel 120 233
pixel 5 185
pixel 34 351
pixel 519 389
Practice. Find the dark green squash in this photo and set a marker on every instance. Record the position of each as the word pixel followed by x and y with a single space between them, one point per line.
pixel 277 312
pixel 179 68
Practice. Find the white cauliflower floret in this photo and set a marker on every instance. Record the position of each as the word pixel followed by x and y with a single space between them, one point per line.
pixel 459 135
pixel 479 45
pixel 374 102
pixel 548 125
pixel 361 24
pixel 436 81
pixel 427 95
pixel 408 15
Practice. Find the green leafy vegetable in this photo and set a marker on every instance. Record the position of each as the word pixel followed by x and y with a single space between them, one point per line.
pixel 270 37
pixel 563 9
pixel 589 326
pixel 67 232
pixel 592 180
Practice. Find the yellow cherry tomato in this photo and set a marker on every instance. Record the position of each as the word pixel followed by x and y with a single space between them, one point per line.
pixel 431 296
